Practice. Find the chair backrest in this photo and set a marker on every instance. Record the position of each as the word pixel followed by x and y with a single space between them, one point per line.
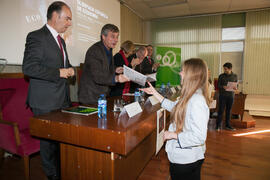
pixel 13 93
pixel 79 73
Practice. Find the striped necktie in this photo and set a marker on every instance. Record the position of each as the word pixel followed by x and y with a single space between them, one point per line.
pixel 61 48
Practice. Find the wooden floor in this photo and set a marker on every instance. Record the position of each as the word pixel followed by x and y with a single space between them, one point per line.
pixel 227 157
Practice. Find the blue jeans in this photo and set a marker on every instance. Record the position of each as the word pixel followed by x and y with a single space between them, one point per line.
pixel 224 101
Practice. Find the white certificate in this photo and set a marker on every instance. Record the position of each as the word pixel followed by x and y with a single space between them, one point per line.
pixel 161 122
pixel 231 86
pixel 213 104
pixel 134 76
pixel 137 77
pixel 151 77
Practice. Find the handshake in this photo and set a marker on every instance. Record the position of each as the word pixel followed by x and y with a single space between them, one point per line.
pixel 66 72
pixel 120 78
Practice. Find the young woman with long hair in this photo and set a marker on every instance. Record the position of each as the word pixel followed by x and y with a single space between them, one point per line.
pixel 187 132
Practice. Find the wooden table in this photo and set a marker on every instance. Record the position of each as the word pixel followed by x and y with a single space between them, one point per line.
pixel 118 148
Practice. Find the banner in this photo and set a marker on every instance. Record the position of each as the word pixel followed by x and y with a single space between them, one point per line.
pixel 170 62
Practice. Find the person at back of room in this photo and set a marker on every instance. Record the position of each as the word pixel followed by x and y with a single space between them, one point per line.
pixel 226 97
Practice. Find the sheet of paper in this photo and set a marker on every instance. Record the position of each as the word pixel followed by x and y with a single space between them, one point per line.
pixel 128 94
pixel 232 86
pixel 151 77
pixel 213 104
pixel 161 122
pixel 135 76
pixel 153 100
pixel 133 109
pixel 173 90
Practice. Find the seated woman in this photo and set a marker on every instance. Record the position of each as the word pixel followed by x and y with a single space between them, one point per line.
pixel 121 59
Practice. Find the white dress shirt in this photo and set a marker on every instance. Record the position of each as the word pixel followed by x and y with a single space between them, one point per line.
pixel 190 145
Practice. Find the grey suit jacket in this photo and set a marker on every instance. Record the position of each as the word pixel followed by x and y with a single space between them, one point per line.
pixel 97 75
pixel 42 61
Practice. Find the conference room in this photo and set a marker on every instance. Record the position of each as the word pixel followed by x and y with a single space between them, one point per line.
pixel 58 91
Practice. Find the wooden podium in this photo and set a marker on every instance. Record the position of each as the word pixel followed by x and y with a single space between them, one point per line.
pixel 245 120
pixel 118 148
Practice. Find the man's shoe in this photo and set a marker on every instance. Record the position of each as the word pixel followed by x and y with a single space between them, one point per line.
pixel 230 128
pixel 218 129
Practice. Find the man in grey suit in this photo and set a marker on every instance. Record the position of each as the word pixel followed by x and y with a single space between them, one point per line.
pixel 47 65
pixel 99 70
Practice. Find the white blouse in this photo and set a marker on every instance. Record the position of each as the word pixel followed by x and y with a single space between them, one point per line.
pixel 190 145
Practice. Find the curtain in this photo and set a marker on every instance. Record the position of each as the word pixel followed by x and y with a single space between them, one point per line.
pixel 131 26
pixel 197 37
pixel 256 74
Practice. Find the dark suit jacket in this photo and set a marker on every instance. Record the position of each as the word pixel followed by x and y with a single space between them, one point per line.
pixel 42 61
pixel 147 66
pixel 139 68
pixel 97 75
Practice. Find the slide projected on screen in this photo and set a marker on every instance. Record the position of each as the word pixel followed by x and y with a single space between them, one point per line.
pixel 19 17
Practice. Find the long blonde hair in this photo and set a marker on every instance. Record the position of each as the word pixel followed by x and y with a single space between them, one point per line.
pixel 195 77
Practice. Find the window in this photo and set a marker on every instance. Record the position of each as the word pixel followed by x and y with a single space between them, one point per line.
pixel 232 48
pixel 233 39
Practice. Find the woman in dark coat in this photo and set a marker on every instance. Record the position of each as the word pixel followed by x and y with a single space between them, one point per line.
pixel 121 59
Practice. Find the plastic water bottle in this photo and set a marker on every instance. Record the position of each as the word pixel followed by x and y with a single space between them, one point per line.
pixel 168 87
pixel 137 95
pixel 102 106
pixel 162 89
pixel 168 84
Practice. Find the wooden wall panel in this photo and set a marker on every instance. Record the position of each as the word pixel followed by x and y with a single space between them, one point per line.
pixel 131 27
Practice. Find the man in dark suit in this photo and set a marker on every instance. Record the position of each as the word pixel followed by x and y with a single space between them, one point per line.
pixel 47 65
pixel 148 65
pixel 140 55
pixel 99 70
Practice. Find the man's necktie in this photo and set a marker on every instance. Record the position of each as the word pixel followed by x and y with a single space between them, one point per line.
pixel 149 59
pixel 61 47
